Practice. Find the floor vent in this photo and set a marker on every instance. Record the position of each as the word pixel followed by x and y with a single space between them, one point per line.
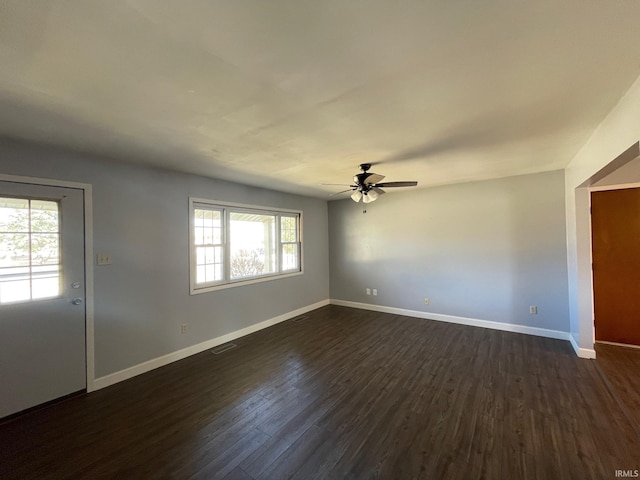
pixel 223 348
pixel 300 318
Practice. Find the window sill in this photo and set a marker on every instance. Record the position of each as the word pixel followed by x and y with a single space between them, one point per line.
pixel 240 283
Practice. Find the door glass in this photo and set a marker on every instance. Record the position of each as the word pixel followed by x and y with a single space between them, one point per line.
pixel 29 249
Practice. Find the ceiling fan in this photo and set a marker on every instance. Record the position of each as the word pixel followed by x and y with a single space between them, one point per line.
pixel 367 187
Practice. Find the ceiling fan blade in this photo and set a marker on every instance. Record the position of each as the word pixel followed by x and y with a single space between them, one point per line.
pixel 338 193
pixel 396 184
pixel 373 178
pixel 336 184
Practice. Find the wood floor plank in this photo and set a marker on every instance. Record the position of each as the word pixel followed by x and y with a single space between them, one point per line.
pixel 267 454
pixel 348 393
pixel 621 366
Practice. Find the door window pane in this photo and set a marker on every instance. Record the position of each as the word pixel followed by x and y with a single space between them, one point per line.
pixel 14 215
pixel 29 249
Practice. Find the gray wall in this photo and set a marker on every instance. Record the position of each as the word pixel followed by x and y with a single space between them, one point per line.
pixel 483 250
pixel 141 219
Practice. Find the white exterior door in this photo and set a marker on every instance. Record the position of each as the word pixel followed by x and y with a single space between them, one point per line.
pixel 42 294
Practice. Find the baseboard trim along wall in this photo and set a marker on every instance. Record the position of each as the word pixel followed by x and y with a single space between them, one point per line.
pixel 508 327
pixel 582 352
pixel 149 365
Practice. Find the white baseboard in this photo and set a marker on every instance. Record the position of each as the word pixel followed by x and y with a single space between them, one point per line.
pixel 149 365
pixel 508 327
pixel 581 352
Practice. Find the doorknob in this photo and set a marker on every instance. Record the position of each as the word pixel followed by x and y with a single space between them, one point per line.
pixel 76 301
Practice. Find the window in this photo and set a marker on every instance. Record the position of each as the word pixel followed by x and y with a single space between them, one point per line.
pixel 238 244
pixel 29 249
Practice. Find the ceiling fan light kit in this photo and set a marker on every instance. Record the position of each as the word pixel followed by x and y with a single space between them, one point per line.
pixel 370 196
pixel 367 187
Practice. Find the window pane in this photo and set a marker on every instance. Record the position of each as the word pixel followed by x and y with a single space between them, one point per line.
pixel 198 214
pixel 14 215
pixel 208 236
pixel 200 256
pixel 246 263
pixel 29 249
pixel 290 256
pixel 211 273
pixel 208 233
pixel 44 249
pixel 44 216
pixel 207 226
pixel 253 245
pixel 15 273
pixel 14 249
pixel 207 218
pixel 288 229
pixel 199 235
pixel 201 275
pixel 208 264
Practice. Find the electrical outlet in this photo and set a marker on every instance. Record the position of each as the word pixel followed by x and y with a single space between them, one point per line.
pixel 368 291
pixel 375 292
pixel 426 301
pixel 183 328
pixel 533 310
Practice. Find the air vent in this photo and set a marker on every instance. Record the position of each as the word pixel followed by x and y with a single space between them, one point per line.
pixel 300 318
pixel 223 348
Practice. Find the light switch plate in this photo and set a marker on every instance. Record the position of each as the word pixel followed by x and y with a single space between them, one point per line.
pixel 103 259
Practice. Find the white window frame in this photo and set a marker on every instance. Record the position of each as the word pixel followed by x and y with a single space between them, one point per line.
pixel 226 209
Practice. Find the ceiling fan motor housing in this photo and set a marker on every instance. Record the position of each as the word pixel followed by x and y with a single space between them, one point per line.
pixel 361 177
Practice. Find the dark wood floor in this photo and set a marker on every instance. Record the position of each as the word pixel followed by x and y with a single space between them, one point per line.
pixel 621 368
pixel 344 393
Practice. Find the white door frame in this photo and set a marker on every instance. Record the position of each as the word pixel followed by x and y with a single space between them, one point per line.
pixel 88 260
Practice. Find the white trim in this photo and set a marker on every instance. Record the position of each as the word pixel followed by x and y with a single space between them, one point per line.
pixel 240 283
pixel 88 260
pixel 591 279
pixel 617 186
pixel 152 364
pixel 89 283
pixel 582 352
pixel 616 344
pixel 473 322
pixel 223 203
pixel 43 181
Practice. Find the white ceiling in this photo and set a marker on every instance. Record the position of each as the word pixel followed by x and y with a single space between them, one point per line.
pixel 290 94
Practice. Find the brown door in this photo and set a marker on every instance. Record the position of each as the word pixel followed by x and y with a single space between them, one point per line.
pixel 615 224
